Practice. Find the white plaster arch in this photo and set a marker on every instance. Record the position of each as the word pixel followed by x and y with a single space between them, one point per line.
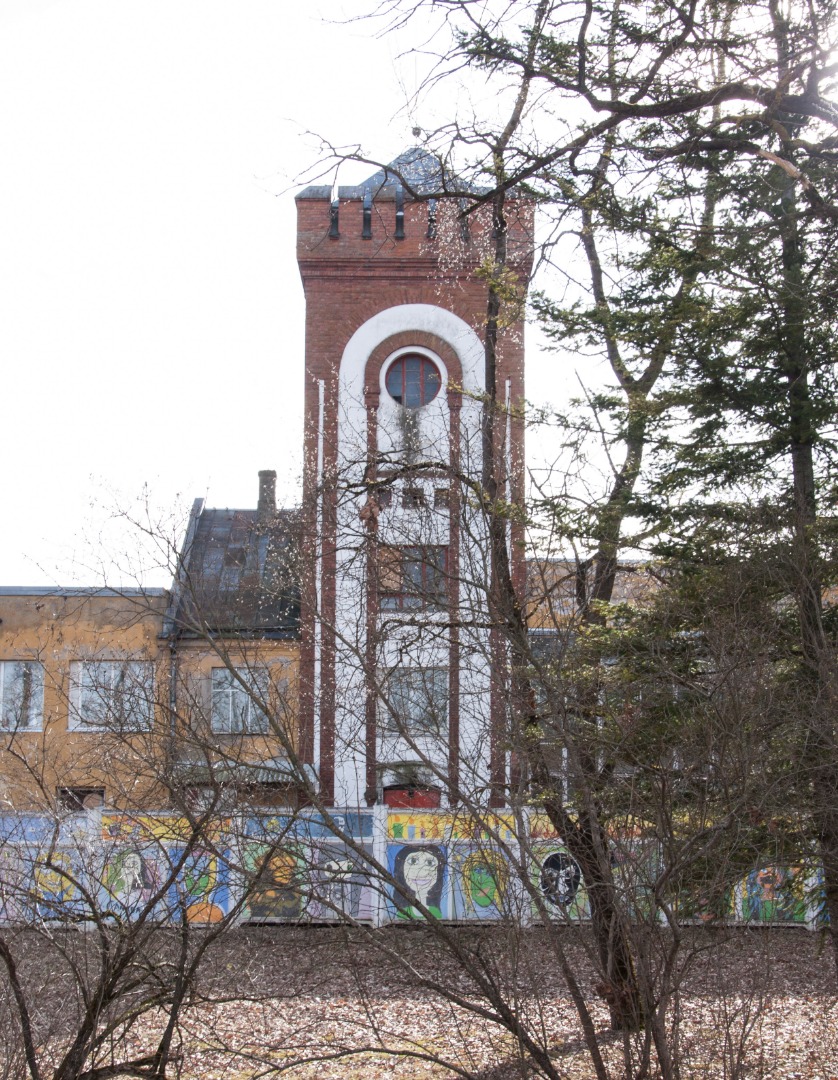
pixel 401 319
pixel 423 318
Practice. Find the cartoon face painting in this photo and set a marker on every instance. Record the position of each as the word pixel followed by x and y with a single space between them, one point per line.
pixel 560 877
pixel 484 879
pixel 775 894
pixel 276 893
pixel 129 878
pixel 419 871
pixel 339 890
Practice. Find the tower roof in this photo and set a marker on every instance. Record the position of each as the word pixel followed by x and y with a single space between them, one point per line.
pixel 416 169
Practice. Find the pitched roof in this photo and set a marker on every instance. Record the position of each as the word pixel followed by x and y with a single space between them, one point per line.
pixel 415 168
pixel 238 574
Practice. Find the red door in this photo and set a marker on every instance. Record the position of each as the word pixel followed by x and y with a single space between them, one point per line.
pixel 412 798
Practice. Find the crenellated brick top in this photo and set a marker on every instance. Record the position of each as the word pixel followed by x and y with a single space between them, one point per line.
pixel 438 240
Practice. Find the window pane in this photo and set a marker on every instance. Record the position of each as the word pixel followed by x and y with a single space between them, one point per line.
pixel 240 706
pixel 95 694
pixel 413 381
pixel 420 581
pixel 393 382
pixel 236 699
pixel 431 382
pixel 418 701
pixel 115 694
pixel 21 694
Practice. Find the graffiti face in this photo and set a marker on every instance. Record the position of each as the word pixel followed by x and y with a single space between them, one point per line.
pixel 421 870
pixel 420 873
pixel 276 894
pixel 482 886
pixel 484 875
pixel 767 883
pixel 339 889
pixel 560 877
pixel 128 877
pixel 774 894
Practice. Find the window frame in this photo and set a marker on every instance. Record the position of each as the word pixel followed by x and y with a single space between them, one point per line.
pixel 35 709
pixel 429 682
pixel 142 690
pixel 72 799
pixel 425 591
pixel 429 371
pixel 238 678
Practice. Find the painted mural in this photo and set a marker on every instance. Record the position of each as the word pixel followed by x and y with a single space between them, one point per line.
pixel 481 885
pixel 293 867
pixel 131 877
pixel 341 885
pixel 201 890
pixel 706 905
pixel 773 894
pixel 421 875
pixel 558 879
pixel 413 825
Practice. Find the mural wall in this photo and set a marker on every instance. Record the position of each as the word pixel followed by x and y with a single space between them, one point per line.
pixel 374 866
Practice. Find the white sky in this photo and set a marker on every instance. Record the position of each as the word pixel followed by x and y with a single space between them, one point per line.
pixel 151 314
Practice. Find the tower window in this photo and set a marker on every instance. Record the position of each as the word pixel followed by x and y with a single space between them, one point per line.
pixel 412 578
pixel 413 381
pixel 417 701
pixel 413 498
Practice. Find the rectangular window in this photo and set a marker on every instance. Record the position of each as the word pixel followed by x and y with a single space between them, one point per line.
pixel 417 702
pixel 21 695
pixel 112 695
pixel 412 578
pixel 237 699
pixel 413 498
pixel 81 798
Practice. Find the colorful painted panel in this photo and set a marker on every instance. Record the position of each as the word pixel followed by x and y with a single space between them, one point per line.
pixel 421 871
pixel 278 882
pixel 309 826
pixel 201 893
pixel 59 879
pixel 340 883
pixel 482 885
pixel 558 878
pixel 773 894
pixel 418 825
pixel 132 876
pixel 705 906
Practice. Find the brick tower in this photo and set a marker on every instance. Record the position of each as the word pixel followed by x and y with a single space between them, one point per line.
pixel 404 689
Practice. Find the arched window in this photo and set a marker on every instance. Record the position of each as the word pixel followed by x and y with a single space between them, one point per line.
pixel 413 381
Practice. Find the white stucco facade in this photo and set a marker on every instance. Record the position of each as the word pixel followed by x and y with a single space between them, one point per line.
pixel 381 652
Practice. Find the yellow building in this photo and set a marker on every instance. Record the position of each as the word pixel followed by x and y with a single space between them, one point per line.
pixel 160 698
pixel 82 682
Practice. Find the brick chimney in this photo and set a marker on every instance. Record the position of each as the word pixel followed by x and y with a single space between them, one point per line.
pixel 267 492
